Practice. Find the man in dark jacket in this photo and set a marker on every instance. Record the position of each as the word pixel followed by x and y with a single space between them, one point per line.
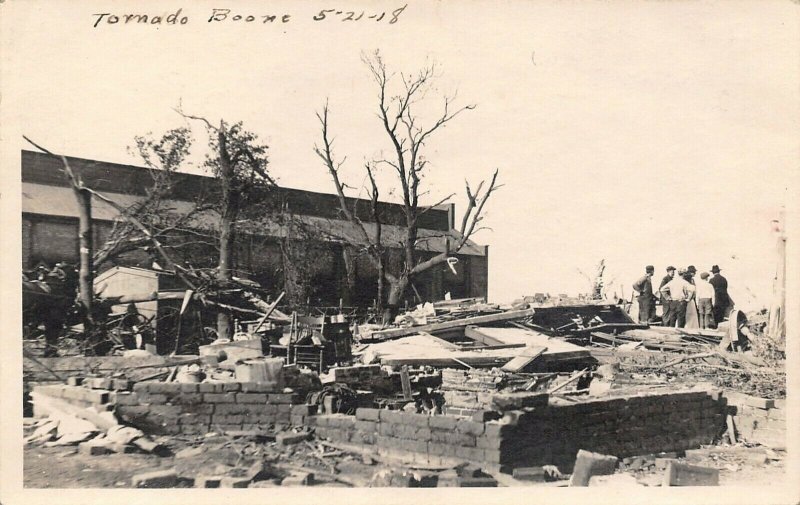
pixel 644 288
pixel 722 301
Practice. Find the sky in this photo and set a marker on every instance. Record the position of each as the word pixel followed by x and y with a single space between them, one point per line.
pixel 661 133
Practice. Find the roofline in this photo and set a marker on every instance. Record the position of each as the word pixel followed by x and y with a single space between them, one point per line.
pixel 446 207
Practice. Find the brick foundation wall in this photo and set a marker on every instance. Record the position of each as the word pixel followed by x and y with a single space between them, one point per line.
pixel 758 420
pixel 173 408
pixel 543 435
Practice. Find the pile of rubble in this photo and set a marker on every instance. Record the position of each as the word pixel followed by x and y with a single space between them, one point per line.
pixel 458 393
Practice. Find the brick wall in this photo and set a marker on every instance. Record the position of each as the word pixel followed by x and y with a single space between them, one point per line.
pixel 758 420
pixel 536 436
pixel 467 391
pixel 174 408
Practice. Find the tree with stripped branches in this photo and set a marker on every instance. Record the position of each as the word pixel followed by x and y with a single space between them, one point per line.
pixel 408 136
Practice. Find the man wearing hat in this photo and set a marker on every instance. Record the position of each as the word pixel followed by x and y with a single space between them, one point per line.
pixel 721 299
pixel 665 305
pixel 679 292
pixel 644 288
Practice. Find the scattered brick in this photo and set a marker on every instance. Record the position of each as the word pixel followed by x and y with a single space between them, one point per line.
pixel 208 481
pixel 289 437
pixel 298 479
pixel 158 479
pixel 234 482
pixel 589 464
pixel 681 474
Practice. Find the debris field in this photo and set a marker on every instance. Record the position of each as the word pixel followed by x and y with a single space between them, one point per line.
pixel 457 393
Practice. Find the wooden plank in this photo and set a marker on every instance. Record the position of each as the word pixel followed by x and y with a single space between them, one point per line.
pixel 488 361
pixel 447 325
pixel 440 341
pixel 476 334
pixel 405 382
pixel 458 302
pixel 524 359
pixel 500 346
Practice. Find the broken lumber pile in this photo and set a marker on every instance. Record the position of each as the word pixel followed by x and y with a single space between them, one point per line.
pixel 442 327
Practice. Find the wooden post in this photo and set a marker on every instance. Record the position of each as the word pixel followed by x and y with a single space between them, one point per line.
pixel 405 382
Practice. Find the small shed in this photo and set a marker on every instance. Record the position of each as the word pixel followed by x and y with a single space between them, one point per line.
pixel 132 281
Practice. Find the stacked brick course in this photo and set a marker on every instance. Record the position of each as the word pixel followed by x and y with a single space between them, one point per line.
pixel 173 408
pixel 620 427
pixel 357 375
pixel 467 391
pixel 538 436
pixel 758 420
pixel 79 396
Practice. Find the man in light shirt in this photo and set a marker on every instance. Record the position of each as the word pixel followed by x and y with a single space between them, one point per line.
pixel 678 292
pixel 705 301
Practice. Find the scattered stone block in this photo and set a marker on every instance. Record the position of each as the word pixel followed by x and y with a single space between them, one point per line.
pixel 189 453
pixel 662 463
pixel 760 403
pixel 476 482
pixel 588 464
pixel 74 381
pixel 157 479
pixel 99 383
pixel 298 479
pixel 529 474
pixel 263 483
pixel 290 437
pixel 682 474
pixel 234 482
pixel 259 470
pixel 208 481
pixel 121 448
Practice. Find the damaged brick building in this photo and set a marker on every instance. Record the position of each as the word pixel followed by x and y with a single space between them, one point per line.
pixel 50 233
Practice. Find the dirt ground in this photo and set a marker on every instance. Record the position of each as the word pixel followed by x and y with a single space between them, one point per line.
pixel 65 467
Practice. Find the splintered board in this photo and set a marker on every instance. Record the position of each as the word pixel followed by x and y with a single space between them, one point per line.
pixel 524 359
pixel 557 348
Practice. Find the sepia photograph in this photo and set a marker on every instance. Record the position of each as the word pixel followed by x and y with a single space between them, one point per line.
pixel 342 248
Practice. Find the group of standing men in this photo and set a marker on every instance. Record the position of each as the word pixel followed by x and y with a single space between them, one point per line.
pixel 677 291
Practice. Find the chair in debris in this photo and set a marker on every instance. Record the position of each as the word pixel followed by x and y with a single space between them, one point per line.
pixel 307 345
pixel 310 356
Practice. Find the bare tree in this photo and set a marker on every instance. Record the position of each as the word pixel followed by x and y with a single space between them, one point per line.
pixel 408 137
pixel 83 197
pixel 239 164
